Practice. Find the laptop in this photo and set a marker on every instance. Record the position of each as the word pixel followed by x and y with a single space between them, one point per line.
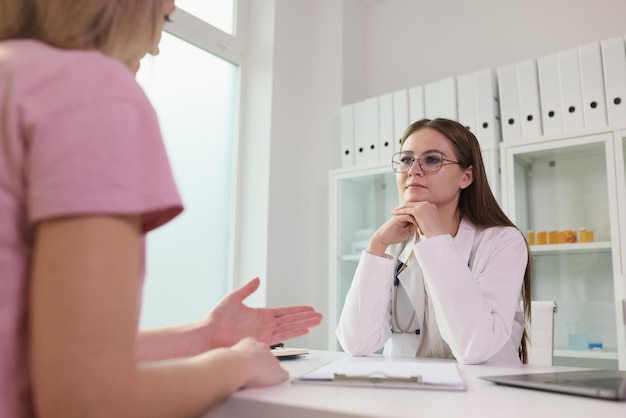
pixel 601 384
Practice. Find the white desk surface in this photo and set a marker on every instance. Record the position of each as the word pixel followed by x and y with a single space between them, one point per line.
pixel 482 399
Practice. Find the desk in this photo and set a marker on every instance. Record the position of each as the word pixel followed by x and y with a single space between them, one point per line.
pixel 482 399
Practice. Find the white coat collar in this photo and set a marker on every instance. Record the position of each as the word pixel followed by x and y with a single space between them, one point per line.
pixel 464 239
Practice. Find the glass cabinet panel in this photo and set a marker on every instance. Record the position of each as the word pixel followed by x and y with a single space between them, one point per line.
pixel 361 201
pixel 562 200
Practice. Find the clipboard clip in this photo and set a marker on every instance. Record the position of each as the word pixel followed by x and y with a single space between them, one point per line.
pixel 377 377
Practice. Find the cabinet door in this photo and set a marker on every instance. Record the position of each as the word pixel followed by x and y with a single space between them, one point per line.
pixel 360 201
pixel 565 191
pixel 620 285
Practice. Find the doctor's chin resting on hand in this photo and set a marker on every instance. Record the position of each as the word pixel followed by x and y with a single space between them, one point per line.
pixel 443 277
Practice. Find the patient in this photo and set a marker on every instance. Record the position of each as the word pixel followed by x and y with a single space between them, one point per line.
pixel 83 177
pixel 444 275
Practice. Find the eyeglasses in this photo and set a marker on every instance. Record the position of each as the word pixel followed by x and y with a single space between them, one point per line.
pixel 429 162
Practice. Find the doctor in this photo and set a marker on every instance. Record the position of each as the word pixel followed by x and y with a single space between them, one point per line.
pixel 443 276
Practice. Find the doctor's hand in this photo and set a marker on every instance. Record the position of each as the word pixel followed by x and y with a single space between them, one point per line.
pixel 231 320
pixel 424 215
pixel 395 230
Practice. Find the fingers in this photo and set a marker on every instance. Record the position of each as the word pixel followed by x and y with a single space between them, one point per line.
pixel 296 319
pixel 288 335
pixel 247 289
pixel 288 310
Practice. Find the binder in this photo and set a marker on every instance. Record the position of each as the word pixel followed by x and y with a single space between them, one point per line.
pixel 550 95
pixel 487 109
pixel 400 116
pixel 447 99
pixel 416 104
pixel 372 133
pixel 508 91
pixel 466 101
pixel 529 103
pixel 347 135
pixel 592 81
pixel 376 372
pixel 386 136
pixel 431 100
pixel 571 90
pixel 614 67
pixel 360 133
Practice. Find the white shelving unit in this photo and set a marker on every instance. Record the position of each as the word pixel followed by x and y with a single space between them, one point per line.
pixel 360 201
pixel 571 182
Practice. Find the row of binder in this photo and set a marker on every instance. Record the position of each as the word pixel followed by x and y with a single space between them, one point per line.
pixel 566 92
pixel 371 129
pixel 570 91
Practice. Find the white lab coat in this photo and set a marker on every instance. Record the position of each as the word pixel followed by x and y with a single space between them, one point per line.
pixel 474 281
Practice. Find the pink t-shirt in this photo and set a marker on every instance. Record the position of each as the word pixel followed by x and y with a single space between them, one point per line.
pixel 77 136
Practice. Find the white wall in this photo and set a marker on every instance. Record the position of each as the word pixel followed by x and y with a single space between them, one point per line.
pixel 291 120
pixel 324 53
pixel 413 42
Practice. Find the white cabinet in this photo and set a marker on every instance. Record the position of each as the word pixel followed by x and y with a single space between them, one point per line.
pixel 360 201
pixel 566 184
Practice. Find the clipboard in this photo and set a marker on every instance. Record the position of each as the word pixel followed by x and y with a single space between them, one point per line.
pixel 387 373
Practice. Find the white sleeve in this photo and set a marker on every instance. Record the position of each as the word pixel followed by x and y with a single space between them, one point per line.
pixel 365 323
pixel 475 309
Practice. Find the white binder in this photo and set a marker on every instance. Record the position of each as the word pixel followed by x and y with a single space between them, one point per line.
pixel 571 90
pixel 416 104
pixel 431 100
pixel 360 133
pixel 529 103
pixel 487 109
pixel 448 99
pixel 466 101
pixel 372 151
pixel 347 135
pixel 400 116
pixel 550 94
pixel 386 130
pixel 592 81
pixel 508 90
pixel 614 66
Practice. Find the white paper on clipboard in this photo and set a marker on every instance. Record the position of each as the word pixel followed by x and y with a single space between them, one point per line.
pixel 363 371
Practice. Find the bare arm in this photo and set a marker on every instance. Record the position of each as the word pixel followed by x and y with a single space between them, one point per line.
pixel 83 332
pixel 227 323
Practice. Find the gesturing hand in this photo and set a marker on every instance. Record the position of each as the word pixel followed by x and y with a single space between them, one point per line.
pixel 231 320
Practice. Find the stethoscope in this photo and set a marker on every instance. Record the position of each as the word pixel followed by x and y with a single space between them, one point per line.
pixel 396 284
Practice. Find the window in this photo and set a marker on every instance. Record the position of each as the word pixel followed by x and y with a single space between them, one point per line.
pixel 220 14
pixel 196 96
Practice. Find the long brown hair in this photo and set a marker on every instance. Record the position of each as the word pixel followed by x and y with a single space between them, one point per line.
pixel 118 28
pixel 477 202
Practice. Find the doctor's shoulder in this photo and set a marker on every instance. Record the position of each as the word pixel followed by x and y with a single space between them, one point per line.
pixel 500 236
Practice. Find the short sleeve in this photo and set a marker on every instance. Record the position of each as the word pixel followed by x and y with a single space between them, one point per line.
pixel 94 147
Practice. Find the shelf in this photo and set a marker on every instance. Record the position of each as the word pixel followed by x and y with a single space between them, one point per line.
pixel 574 248
pixel 581 247
pixel 590 354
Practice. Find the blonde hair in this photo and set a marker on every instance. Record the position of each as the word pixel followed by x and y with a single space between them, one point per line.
pixel 122 29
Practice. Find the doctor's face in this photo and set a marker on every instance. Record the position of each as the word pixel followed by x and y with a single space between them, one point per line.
pixel 439 178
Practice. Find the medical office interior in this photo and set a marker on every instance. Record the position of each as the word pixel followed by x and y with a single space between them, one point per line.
pixel 541 83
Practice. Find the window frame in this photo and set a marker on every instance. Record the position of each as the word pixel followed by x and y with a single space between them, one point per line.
pixel 232 48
